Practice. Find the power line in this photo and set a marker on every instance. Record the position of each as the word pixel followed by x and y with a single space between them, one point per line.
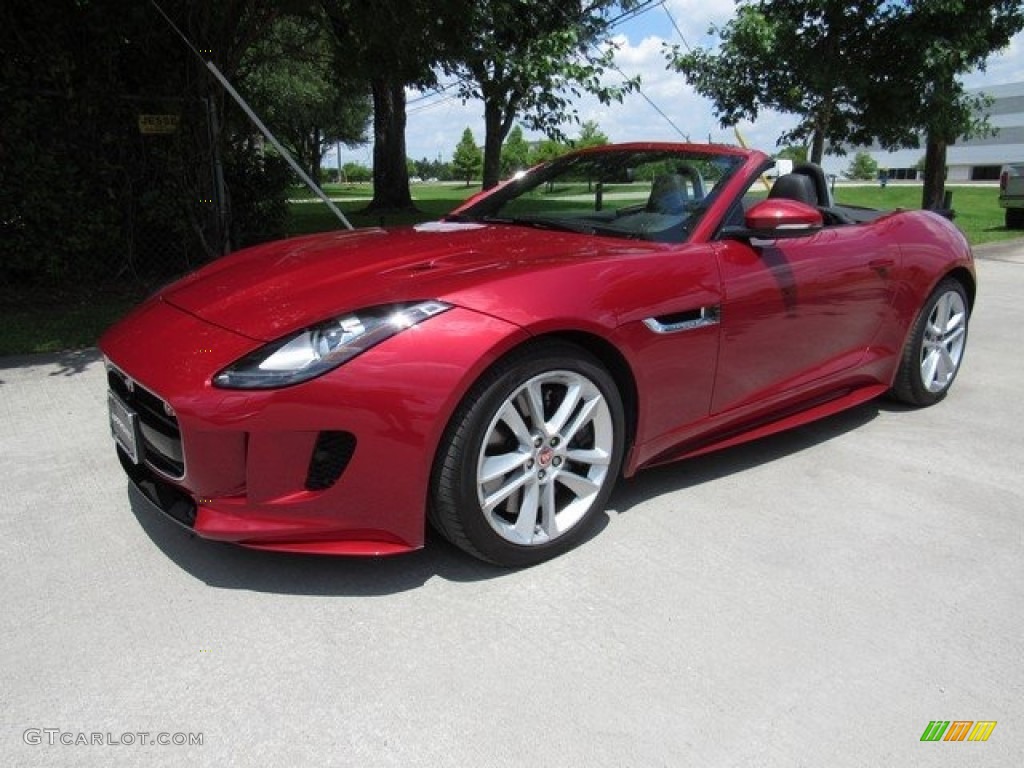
pixel 655 106
pixel 635 12
pixel 433 92
pixel 676 26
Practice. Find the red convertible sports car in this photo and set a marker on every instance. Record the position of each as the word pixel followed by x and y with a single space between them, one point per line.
pixel 497 371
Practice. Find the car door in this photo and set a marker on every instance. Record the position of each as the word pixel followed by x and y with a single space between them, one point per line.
pixel 796 311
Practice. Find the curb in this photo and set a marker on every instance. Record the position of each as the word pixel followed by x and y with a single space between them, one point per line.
pixel 1005 250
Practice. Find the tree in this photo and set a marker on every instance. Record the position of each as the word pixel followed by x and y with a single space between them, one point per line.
pixel 804 57
pixel 795 152
pixel 292 79
pixel 355 173
pixel 548 150
pixel 467 158
pixel 392 44
pixel 515 154
pixel 528 59
pixel 433 169
pixel 930 43
pixel 84 194
pixel 857 72
pixel 590 136
pixel 863 167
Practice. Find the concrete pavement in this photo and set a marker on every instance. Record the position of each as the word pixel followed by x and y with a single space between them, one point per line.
pixel 812 599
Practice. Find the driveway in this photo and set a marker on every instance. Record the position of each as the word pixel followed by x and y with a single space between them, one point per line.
pixel 813 599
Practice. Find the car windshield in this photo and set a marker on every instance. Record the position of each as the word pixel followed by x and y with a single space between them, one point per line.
pixel 633 194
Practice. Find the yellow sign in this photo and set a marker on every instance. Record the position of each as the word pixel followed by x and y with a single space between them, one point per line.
pixel 158 124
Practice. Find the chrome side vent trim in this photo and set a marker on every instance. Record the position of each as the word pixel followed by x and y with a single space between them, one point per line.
pixel 685 321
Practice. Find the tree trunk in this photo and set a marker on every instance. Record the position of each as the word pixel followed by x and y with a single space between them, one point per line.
pixel 934 189
pixel 493 139
pixel 390 172
pixel 817 147
pixel 316 156
pixel 823 120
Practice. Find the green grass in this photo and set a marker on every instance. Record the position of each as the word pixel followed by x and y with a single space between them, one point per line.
pixel 52 322
pixel 977 211
pixel 42 321
pixel 432 200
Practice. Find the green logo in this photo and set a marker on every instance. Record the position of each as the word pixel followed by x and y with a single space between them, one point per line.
pixel 958 730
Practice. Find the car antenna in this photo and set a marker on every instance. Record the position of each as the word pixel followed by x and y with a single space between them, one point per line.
pixel 256 121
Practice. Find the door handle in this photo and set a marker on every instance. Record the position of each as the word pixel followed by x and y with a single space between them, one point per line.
pixel 882 263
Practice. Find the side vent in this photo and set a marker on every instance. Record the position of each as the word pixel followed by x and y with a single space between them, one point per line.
pixel 685 321
pixel 331 454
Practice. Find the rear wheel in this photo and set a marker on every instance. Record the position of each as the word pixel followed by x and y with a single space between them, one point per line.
pixel 936 347
pixel 1015 218
pixel 530 457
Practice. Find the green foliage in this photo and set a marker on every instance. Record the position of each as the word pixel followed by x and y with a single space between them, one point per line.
pixel 515 153
pixel 926 47
pixel 356 173
pixel 391 44
pixel 856 72
pixel 259 197
pixel 548 150
pixel 85 196
pixel 467 159
pixel 804 57
pixel 795 152
pixel 530 59
pixel 863 167
pixel 434 169
pixel 293 80
pixel 590 136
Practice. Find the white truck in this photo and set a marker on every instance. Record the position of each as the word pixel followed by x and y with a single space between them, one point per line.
pixel 1011 194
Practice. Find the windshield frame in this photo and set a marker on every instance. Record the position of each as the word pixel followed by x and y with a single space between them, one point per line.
pixel 699 175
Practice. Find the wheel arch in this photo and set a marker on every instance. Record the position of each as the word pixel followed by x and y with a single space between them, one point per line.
pixel 617 366
pixel 601 352
pixel 963 276
pixel 606 353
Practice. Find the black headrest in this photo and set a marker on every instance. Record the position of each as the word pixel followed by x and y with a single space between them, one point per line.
pixel 668 194
pixel 795 186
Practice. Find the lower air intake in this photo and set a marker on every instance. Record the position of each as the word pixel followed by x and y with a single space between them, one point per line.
pixel 331 454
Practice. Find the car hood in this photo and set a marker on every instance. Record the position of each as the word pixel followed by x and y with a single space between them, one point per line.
pixel 273 289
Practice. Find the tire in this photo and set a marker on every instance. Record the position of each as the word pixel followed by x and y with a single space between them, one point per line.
pixel 1015 218
pixel 530 456
pixel 935 348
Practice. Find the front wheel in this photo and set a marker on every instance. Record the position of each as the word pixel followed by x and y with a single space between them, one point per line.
pixel 530 457
pixel 935 348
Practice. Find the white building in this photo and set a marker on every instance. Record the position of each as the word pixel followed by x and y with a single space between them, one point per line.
pixel 977 159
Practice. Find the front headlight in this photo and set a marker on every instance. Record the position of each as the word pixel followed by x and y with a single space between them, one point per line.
pixel 316 350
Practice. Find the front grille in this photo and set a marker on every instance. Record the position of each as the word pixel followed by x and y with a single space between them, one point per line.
pixel 161 437
pixel 331 454
pixel 174 503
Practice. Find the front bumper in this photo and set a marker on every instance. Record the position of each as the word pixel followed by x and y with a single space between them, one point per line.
pixel 337 465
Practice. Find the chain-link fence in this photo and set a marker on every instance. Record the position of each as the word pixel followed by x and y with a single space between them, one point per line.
pixel 140 192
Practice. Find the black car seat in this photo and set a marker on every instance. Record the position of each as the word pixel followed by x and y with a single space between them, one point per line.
pixel 668 194
pixel 795 186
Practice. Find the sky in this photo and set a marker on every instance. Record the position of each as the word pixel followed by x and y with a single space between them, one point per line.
pixel 436 121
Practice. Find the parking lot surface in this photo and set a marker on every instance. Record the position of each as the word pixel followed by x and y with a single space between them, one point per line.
pixel 812 599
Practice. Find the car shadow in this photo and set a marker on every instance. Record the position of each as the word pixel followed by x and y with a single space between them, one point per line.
pixel 228 566
pixel 233 567
pixel 690 473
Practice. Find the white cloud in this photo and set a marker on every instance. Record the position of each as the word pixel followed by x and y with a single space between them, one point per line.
pixel 1006 66
pixel 436 129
